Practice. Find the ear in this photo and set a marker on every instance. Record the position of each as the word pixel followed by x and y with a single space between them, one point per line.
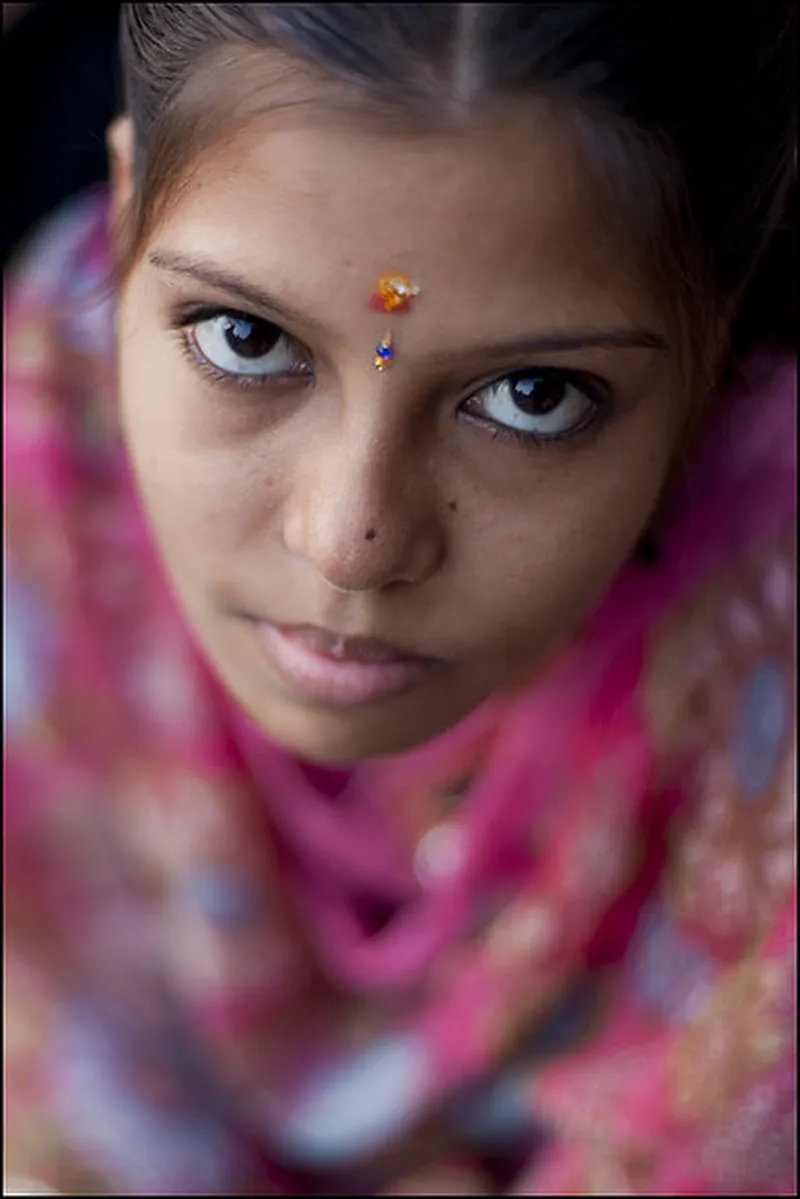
pixel 119 143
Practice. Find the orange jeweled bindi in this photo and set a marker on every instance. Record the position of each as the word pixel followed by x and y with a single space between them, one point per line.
pixel 394 294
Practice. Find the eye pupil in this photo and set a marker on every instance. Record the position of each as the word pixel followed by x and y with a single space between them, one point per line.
pixel 538 394
pixel 249 338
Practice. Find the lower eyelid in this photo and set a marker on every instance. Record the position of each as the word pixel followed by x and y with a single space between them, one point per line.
pixel 601 411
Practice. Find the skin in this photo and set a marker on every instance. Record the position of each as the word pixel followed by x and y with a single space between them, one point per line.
pixel 486 553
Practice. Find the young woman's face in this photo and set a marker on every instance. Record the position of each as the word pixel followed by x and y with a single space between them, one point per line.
pixel 461 511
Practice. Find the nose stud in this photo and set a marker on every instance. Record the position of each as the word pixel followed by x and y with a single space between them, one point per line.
pixel 384 352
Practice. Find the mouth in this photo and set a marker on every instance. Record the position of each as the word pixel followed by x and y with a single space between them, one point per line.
pixel 335 671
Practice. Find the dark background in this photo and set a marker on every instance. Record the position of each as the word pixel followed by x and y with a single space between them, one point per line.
pixel 61 89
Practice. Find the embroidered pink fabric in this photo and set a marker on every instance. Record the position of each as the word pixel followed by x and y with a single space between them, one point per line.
pixel 552 952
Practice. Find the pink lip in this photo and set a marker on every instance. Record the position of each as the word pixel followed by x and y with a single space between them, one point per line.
pixel 341 672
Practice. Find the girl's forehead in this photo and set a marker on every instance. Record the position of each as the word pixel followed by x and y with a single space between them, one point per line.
pixel 487 215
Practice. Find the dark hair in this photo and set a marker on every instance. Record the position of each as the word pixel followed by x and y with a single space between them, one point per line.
pixel 689 109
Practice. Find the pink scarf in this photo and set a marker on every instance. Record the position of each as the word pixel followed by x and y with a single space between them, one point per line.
pixel 551 952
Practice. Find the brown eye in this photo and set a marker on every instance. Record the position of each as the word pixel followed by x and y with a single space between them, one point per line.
pixel 236 344
pixel 538 403
pixel 249 338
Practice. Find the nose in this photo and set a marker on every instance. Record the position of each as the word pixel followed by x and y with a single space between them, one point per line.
pixel 362 510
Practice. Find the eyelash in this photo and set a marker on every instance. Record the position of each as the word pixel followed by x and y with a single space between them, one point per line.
pixel 596 390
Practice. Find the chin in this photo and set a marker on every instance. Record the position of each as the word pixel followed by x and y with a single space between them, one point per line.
pixel 330 738
pixel 334 739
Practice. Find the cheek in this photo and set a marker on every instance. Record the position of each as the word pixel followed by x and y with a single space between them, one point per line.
pixel 203 471
pixel 543 561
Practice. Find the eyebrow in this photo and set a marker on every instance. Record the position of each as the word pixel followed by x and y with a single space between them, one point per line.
pixel 234 285
pixel 547 341
pixel 554 341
